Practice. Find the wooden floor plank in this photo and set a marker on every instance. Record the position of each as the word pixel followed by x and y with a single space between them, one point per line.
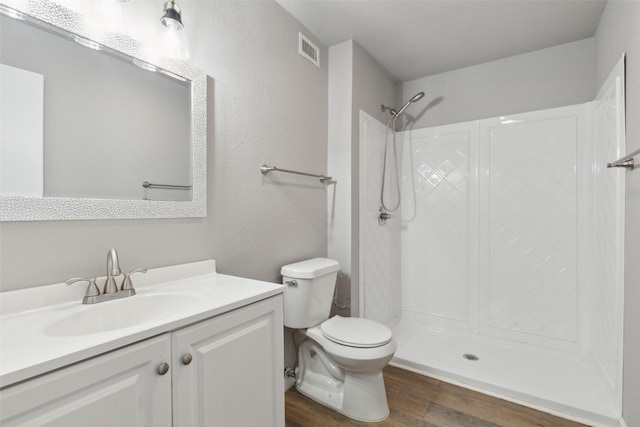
pixel 408 403
pixel 420 401
pixel 518 415
pixel 443 416
pixel 409 382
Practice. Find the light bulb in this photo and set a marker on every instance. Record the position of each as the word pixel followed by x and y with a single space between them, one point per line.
pixel 173 37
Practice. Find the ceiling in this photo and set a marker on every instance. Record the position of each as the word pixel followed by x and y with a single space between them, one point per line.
pixel 413 39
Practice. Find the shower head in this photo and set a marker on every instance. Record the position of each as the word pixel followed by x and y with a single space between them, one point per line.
pixel 417 97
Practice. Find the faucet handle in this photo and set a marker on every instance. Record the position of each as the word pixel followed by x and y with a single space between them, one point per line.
pixel 127 284
pixel 92 289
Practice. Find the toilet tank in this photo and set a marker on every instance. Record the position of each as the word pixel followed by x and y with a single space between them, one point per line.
pixel 307 302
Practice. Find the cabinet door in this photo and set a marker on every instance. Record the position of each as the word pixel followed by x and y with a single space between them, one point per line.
pixel 120 388
pixel 235 376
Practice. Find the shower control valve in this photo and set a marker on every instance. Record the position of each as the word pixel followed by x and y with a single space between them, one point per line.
pixel 383 217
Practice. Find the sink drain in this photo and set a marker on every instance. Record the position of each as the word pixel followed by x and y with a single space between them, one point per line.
pixel 471 357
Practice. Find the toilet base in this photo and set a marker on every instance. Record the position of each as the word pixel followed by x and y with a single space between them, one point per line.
pixel 360 396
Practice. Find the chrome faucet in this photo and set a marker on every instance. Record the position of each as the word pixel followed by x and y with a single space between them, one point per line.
pixel 110 290
pixel 113 270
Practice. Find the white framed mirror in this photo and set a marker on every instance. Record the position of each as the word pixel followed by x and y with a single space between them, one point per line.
pixel 89 117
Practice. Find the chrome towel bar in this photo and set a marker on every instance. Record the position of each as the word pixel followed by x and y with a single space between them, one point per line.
pixel 147 184
pixel 264 169
pixel 626 162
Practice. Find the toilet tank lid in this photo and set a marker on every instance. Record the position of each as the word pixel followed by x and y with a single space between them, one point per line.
pixel 310 268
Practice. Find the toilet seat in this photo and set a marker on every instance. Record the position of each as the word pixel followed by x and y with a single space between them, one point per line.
pixel 356 332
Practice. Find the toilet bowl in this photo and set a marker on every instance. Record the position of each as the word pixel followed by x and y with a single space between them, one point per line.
pixel 342 376
pixel 340 360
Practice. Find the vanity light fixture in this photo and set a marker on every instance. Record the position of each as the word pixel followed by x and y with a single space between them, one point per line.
pixel 174 37
pixel 172 17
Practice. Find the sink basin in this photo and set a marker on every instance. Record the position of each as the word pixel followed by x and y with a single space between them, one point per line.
pixel 44 328
pixel 122 313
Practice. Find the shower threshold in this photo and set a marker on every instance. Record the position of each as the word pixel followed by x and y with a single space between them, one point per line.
pixel 542 379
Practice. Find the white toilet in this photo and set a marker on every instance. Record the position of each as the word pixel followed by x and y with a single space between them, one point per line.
pixel 340 360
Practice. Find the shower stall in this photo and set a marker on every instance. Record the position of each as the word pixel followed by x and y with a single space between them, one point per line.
pixel 502 268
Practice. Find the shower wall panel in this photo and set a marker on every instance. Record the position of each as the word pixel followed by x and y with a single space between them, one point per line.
pixel 490 225
pixel 438 227
pixel 511 234
pixel 608 235
pixel 378 294
pixel 529 219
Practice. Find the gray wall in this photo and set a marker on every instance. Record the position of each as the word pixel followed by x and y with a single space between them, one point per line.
pixel 266 104
pixel 619 32
pixel 372 87
pixel 547 78
pixel 339 154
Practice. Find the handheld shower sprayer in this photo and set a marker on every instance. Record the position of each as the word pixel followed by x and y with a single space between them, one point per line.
pixel 416 98
pixel 391 125
pixel 394 113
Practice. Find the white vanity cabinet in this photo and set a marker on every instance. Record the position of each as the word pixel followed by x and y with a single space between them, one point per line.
pixel 119 388
pixel 234 378
pixel 227 371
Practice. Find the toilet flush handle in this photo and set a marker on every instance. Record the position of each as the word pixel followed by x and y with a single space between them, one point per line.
pixel 291 283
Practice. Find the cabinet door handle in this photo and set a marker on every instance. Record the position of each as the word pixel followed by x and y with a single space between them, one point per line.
pixel 186 359
pixel 163 368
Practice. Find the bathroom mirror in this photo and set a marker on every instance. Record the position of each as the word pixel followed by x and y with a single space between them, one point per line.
pixel 89 117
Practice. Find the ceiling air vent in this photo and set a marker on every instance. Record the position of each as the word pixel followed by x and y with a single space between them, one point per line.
pixel 309 50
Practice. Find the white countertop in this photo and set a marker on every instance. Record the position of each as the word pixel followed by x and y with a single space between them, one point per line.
pixel 33 339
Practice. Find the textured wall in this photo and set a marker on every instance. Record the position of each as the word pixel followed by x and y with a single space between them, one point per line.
pixel 372 87
pixel 266 104
pixel 547 78
pixel 619 32
pixel 339 154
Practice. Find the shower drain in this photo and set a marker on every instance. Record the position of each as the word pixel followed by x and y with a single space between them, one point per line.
pixel 471 357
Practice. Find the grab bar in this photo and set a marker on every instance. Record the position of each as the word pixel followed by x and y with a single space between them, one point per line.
pixel 147 184
pixel 264 169
pixel 626 162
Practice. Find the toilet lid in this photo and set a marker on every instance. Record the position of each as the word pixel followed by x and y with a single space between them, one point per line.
pixel 356 332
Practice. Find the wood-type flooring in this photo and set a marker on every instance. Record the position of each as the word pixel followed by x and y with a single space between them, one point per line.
pixel 419 401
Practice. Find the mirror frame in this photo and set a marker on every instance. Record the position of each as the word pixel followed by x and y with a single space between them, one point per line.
pixel 62 208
